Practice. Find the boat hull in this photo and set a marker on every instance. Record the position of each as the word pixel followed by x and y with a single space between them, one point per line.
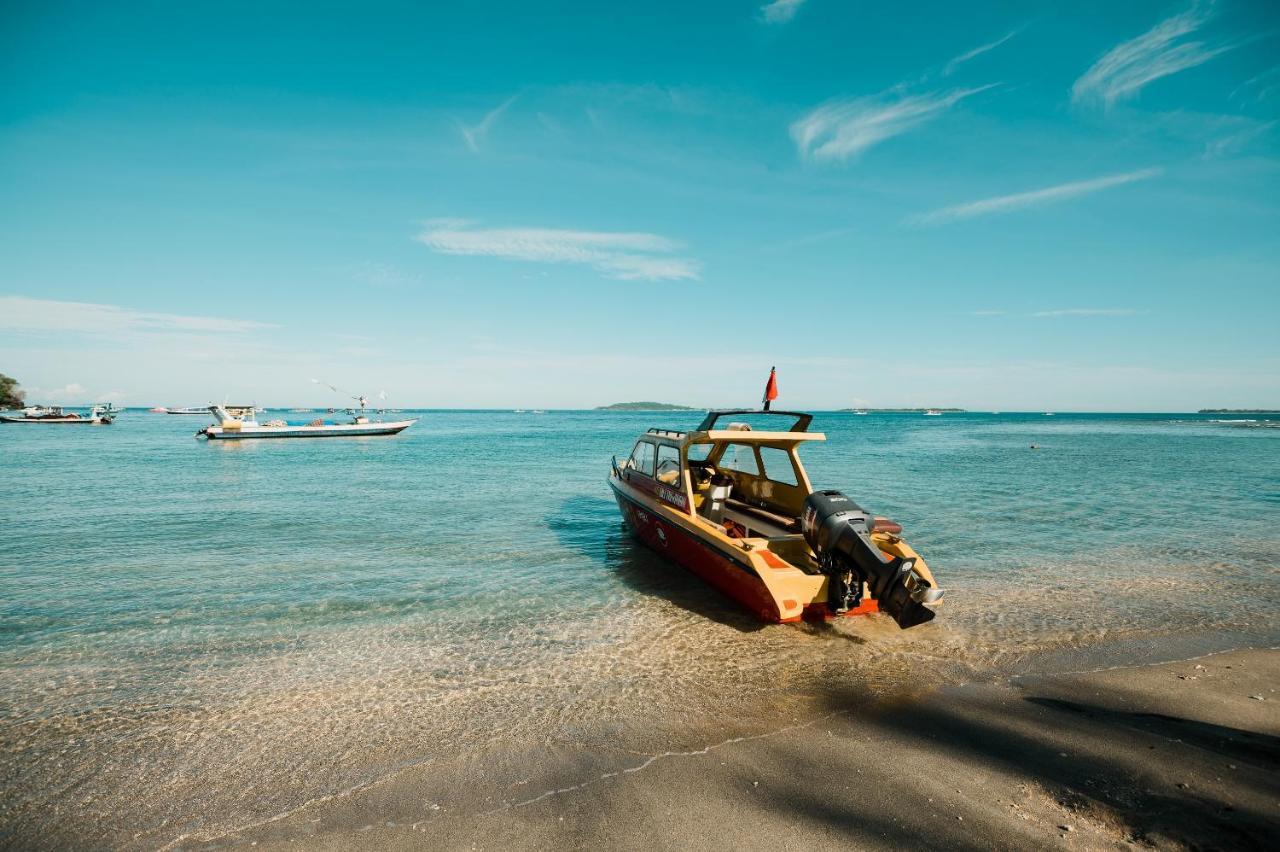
pixel 733 578
pixel 732 575
pixel 354 430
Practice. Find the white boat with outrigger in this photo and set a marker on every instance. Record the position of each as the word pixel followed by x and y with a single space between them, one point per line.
pixel 99 415
pixel 239 422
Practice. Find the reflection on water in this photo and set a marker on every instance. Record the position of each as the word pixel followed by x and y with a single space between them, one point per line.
pixel 194 637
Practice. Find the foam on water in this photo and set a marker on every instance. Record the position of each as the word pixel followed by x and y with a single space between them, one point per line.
pixel 194 638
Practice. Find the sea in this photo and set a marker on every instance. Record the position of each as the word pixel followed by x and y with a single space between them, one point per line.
pixel 200 637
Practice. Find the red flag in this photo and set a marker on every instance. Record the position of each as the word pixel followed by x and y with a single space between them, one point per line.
pixel 771 388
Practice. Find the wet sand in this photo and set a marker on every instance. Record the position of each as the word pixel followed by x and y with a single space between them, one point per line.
pixel 1177 755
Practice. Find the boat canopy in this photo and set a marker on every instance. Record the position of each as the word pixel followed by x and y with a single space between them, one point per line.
pixel 801 420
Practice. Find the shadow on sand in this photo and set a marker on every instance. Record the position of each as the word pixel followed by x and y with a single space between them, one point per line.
pixel 1132 777
pixel 592 527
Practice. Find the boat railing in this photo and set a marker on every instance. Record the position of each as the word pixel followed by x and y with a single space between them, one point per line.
pixel 666 433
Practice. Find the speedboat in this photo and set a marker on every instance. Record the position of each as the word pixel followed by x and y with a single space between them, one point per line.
pixel 933 412
pixel 238 422
pixel 734 505
pixel 195 409
pixel 98 416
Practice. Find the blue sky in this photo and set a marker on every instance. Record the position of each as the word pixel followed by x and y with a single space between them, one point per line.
pixel 1027 206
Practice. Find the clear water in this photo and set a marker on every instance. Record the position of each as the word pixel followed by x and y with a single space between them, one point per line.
pixel 195 637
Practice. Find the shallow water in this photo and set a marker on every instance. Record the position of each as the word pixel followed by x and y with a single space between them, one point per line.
pixel 196 637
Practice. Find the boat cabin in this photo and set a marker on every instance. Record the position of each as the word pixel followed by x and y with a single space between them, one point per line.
pixel 742 481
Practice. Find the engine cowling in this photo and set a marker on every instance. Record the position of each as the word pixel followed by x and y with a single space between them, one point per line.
pixel 839 531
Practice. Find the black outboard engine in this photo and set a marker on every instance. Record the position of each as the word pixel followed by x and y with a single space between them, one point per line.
pixel 839 531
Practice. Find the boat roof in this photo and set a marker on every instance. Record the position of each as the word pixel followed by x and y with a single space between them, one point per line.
pixel 743 433
pixel 801 420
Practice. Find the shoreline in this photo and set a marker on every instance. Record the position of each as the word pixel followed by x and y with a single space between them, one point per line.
pixel 1174 754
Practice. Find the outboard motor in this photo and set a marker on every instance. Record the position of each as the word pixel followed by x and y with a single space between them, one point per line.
pixel 839 531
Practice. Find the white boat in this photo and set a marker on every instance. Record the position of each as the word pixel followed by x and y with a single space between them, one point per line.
pixel 239 422
pixel 198 409
pixel 97 416
pixel 933 412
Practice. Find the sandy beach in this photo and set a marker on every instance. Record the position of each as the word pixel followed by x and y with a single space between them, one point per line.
pixel 1176 755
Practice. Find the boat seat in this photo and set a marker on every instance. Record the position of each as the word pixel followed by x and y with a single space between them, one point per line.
pixel 790 525
pixel 885 525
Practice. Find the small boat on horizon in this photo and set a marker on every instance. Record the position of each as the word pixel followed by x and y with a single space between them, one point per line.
pixel 735 507
pixel 933 412
pixel 195 409
pixel 99 415
pixel 239 422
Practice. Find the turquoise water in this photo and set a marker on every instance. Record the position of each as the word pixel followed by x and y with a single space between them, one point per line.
pixel 197 636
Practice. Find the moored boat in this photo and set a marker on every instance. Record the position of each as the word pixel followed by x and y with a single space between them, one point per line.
pixel 98 416
pixel 734 505
pixel 193 410
pixel 236 423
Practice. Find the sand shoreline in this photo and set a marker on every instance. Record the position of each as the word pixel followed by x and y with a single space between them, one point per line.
pixel 1172 755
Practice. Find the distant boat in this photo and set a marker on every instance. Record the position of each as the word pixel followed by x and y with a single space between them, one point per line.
pixel 933 412
pixel 192 410
pixel 300 410
pixel 1048 414
pixel 159 409
pixel 98 416
pixel 238 422
pixel 860 411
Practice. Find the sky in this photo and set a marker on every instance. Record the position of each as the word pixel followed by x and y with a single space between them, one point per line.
pixel 1027 206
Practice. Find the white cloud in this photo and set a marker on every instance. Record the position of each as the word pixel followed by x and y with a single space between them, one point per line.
pixel 18 313
pixel 1159 52
pixel 842 129
pixel 1019 200
pixel 780 11
pixel 475 134
pixel 1087 312
pixel 72 391
pixel 976 52
pixel 625 256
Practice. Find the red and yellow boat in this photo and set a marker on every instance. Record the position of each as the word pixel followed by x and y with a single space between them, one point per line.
pixel 734 505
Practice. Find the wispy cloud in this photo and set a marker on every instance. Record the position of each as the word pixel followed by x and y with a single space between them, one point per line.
pixel 1020 200
pixel 843 129
pixel 976 52
pixel 1159 52
pixel 1088 312
pixel 1238 140
pixel 18 313
pixel 621 255
pixel 381 275
pixel 475 134
pixel 780 11
pixel 1265 83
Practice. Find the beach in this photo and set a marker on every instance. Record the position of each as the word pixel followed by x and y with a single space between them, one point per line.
pixel 231 641
pixel 1175 755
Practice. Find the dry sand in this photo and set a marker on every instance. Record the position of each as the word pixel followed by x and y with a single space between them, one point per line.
pixel 1178 755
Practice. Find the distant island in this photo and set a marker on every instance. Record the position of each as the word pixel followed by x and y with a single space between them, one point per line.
pixel 906 410
pixel 1239 411
pixel 645 406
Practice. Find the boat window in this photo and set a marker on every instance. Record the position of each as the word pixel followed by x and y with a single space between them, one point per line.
pixel 642 458
pixel 668 464
pixel 699 452
pixel 740 457
pixel 778 466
